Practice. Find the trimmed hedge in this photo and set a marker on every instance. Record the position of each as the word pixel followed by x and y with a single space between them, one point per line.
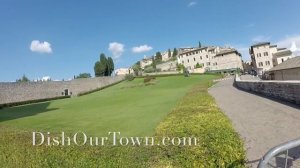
pixel 197 115
pixel 31 101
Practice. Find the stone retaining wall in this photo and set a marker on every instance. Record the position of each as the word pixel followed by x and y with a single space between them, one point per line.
pixel 284 90
pixel 11 92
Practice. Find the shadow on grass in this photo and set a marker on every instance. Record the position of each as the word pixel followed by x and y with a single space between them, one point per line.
pixel 16 112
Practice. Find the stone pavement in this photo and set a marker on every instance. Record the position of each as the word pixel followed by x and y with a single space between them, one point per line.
pixel 261 122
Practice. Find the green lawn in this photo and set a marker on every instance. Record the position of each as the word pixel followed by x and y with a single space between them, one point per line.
pixel 174 106
pixel 129 107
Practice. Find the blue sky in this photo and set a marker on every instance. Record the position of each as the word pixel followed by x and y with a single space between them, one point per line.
pixel 62 38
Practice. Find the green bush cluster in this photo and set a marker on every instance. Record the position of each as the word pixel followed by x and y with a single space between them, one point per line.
pixel 147 79
pixel 149 69
pixel 129 77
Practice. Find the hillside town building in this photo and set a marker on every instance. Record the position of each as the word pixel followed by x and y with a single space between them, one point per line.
pixel 264 56
pixel 288 70
pixel 145 62
pixel 212 58
pixel 123 71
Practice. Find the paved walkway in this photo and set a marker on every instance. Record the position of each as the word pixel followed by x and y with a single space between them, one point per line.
pixel 262 123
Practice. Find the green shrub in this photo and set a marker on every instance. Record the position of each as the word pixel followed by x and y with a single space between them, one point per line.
pixel 186 72
pixel 129 77
pixel 148 78
pixel 199 65
pixel 149 69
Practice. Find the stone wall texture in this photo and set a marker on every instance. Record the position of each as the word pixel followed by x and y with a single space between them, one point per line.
pixel 284 90
pixel 11 92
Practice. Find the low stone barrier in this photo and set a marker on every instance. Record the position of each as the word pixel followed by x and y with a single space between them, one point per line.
pixel 11 92
pixel 284 90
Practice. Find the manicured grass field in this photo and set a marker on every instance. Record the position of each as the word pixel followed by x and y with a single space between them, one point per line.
pixel 129 107
pixel 174 106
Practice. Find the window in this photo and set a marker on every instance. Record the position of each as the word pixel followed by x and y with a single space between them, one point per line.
pixel 182 62
pixel 194 59
pixel 282 60
pixel 259 55
pixel 208 63
pixel 196 52
pixel 267 62
pixel 201 57
pixel 206 56
pixel 266 53
pixel 188 60
pixel 260 64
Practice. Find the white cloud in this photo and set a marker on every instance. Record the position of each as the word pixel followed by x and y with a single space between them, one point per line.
pixel 141 49
pixel 261 38
pixel 40 47
pixel 291 42
pixel 193 3
pixel 116 49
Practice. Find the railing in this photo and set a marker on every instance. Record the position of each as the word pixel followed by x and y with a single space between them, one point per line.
pixel 278 150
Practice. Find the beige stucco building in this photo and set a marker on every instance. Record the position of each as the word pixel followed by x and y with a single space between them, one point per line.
pixel 165 56
pixel 264 56
pixel 211 59
pixel 145 61
pixel 167 66
pixel 288 70
pixel 123 71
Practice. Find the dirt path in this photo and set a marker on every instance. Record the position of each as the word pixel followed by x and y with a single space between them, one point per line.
pixel 262 123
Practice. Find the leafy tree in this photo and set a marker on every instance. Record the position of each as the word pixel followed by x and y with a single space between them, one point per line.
pixel 149 69
pixel 129 77
pixel 153 63
pixel 83 75
pixel 158 57
pixel 23 79
pixel 175 52
pixel 110 66
pixel 179 67
pixel 169 53
pixel 136 68
pixel 104 67
pixel 186 72
pixel 97 69
pixel 198 65
pixel 199 44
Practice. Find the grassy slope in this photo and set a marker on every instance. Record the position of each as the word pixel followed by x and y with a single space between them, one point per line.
pixel 126 107
pixel 195 114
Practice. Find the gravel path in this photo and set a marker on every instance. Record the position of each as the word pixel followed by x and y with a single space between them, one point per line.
pixel 261 122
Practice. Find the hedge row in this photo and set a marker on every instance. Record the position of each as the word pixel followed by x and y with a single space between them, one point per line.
pixel 31 101
pixel 178 74
pixel 197 115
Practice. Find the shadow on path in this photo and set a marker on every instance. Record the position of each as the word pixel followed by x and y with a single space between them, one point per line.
pixel 271 98
pixel 17 112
